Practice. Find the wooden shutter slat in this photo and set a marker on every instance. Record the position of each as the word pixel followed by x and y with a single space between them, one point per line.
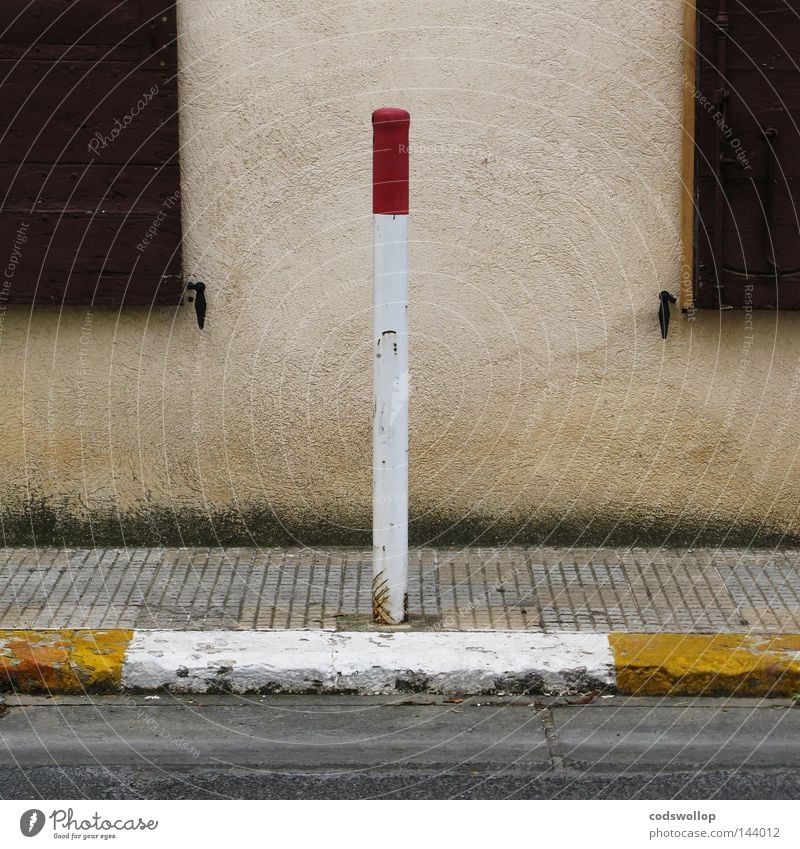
pixel 72 102
pixel 141 189
pixel 84 21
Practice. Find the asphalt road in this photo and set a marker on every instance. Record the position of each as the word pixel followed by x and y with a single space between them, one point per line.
pixel 415 747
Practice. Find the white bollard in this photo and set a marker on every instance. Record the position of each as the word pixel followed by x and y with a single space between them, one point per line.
pixel 390 366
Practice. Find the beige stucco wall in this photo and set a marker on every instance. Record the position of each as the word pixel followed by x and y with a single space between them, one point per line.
pixel 546 146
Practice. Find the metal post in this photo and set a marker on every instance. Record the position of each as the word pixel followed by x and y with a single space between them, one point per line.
pixel 390 366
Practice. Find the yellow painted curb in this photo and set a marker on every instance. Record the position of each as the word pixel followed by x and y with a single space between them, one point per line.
pixel 706 664
pixel 62 661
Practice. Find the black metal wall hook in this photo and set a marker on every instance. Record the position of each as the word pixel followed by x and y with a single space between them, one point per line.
pixel 199 289
pixel 663 311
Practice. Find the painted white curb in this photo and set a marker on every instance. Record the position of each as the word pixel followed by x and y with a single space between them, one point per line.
pixel 365 662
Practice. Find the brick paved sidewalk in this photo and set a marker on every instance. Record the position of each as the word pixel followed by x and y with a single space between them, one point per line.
pixel 536 589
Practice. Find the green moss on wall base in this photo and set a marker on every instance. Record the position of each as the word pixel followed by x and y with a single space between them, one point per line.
pixel 44 522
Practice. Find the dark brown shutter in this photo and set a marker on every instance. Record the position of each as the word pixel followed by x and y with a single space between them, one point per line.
pixel 747 164
pixel 89 173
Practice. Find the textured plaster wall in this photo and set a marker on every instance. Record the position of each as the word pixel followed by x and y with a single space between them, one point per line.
pixel 546 145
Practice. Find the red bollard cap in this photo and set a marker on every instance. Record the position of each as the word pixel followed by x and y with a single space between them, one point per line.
pixel 390 161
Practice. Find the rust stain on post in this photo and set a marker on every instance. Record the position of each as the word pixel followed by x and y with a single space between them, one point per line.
pixel 380 599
